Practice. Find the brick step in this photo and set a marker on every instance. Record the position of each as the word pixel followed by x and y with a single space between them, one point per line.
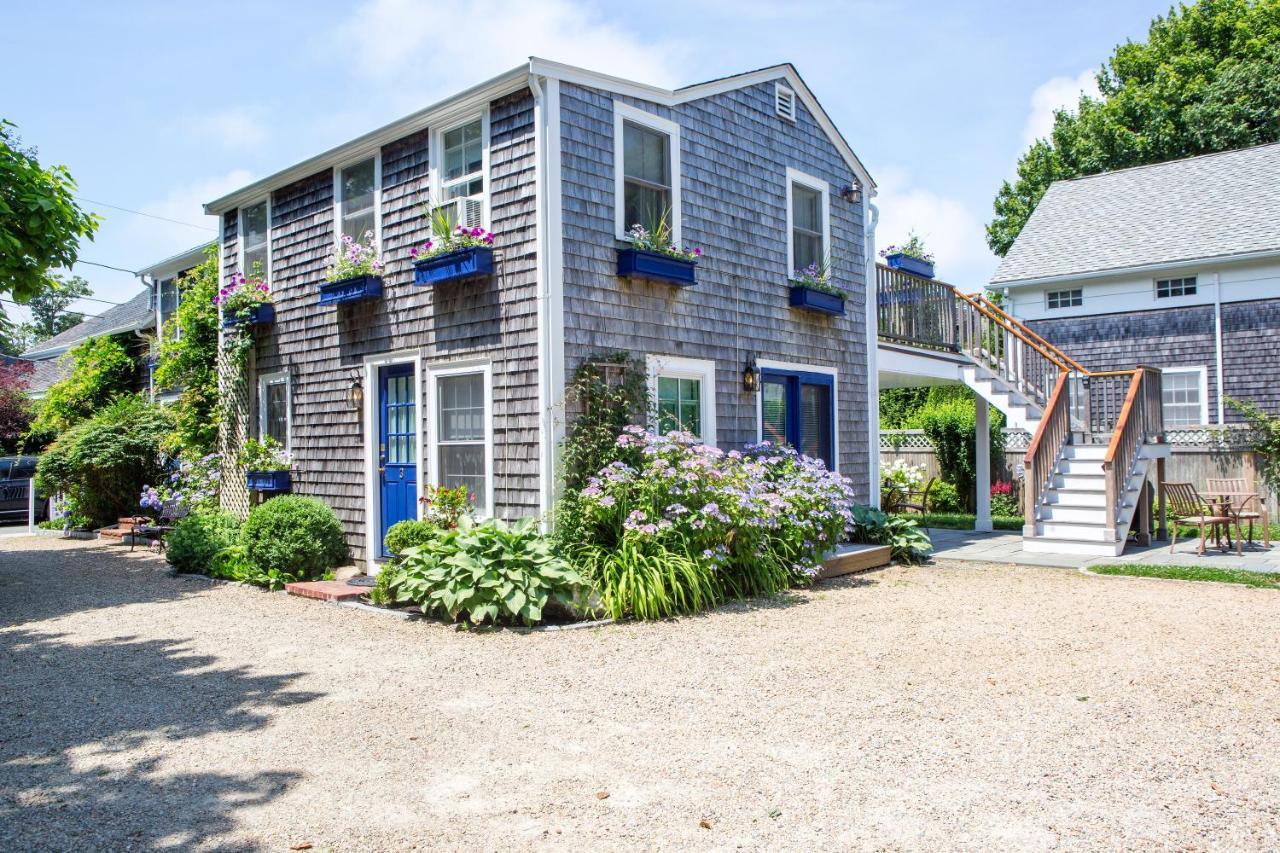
pixel 326 590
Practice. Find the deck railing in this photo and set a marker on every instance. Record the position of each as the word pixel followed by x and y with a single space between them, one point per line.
pixel 1041 460
pixel 913 310
pixel 1140 421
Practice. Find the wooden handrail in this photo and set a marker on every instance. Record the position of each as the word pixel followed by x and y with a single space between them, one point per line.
pixel 1027 331
pixel 1117 433
pixel 1046 350
pixel 1059 388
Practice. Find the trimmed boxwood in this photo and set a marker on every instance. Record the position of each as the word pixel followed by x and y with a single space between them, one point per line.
pixel 291 533
pixel 409 534
pixel 198 538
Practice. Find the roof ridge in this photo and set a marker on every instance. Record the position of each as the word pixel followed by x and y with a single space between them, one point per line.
pixel 1206 155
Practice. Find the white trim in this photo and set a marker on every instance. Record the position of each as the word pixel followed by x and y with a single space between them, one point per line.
pixel 704 370
pixel 376 156
pixel 779 93
pixel 373 494
pixel 1203 389
pixel 624 113
pixel 436 157
pixel 1140 269
pixel 175 264
pixel 795 176
pixel 834 373
pixel 461 368
pixel 273 378
pixel 870 220
pixel 240 241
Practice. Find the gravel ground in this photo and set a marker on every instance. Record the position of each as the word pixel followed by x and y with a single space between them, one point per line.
pixel 946 706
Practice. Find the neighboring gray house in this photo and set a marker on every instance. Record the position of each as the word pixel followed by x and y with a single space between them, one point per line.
pixel 1174 265
pixel 464 383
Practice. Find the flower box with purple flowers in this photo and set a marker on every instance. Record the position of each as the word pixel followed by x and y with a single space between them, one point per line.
pixel 260 315
pixel 473 262
pixel 355 289
pixel 819 301
pixel 909 264
pixel 268 481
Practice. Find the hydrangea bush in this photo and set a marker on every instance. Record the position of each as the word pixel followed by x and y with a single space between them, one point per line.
pixel 354 258
pixel 759 520
pixel 192 483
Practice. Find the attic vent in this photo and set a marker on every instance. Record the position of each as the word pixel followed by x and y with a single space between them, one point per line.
pixel 464 211
pixel 784 101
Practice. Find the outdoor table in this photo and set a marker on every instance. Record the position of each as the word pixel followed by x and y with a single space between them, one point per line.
pixel 1230 503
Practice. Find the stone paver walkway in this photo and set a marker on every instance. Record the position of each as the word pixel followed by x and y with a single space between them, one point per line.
pixel 1006 547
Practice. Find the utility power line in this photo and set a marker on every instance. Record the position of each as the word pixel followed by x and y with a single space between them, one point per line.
pixel 148 215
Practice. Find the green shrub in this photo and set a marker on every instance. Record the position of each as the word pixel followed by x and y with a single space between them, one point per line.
pixel 943 497
pixel 194 542
pixel 292 534
pixel 102 464
pixel 382 593
pixel 486 571
pixel 645 580
pixel 404 535
pixel 232 564
pixel 101 369
pixel 906 541
pixel 948 421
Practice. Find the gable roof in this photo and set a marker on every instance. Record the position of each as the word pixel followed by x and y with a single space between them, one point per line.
pixel 1215 206
pixel 518 78
pixel 135 315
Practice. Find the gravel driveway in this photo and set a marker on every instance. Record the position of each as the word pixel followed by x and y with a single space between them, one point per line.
pixel 946 706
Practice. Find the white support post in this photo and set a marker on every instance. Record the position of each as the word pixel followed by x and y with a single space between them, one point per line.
pixel 31 506
pixel 982 462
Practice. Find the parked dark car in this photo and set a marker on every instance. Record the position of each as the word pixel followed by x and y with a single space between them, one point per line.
pixel 15 479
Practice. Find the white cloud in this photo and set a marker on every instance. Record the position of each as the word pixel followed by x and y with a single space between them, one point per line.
pixel 456 44
pixel 234 129
pixel 1055 94
pixel 950 230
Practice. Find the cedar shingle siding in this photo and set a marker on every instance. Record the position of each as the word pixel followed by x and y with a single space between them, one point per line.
pixel 734 156
pixel 323 348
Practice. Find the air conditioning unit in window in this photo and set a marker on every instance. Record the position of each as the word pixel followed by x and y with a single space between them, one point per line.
pixel 468 212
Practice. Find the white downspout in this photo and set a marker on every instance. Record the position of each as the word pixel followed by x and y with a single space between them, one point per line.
pixel 870 219
pixel 1217 337
pixel 540 225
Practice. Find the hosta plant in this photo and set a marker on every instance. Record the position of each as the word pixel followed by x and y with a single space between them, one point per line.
pixel 488 571
pixel 906 541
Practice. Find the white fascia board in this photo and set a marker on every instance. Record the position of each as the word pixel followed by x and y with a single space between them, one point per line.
pixel 671 98
pixel 1166 266
pixel 366 145
pixel 177 263
pixel 46 354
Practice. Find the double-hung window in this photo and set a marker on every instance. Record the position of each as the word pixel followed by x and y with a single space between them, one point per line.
pixel 1184 394
pixel 463 432
pixel 797 407
pixel 808 223
pixel 255 251
pixel 683 395
pixel 461 179
pixel 647 171
pixel 273 408
pixel 357 200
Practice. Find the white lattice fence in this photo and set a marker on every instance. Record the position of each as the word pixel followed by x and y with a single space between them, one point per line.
pixel 233 431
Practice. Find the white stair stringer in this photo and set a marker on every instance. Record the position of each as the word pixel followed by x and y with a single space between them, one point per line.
pixel 1072 515
pixel 1020 411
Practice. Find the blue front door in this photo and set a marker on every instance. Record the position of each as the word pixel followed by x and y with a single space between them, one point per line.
pixel 397 446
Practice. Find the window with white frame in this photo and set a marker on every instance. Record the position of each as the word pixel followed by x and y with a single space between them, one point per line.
pixel 647 171
pixel 273 408
pixel 683 395
pixel 461 177
pixel 1184 394
pixel 255 246
pixel 808 223
pixel 168 298
pixel 1064 298
pixel 357 200
pixel 1170 287
pixel 461 399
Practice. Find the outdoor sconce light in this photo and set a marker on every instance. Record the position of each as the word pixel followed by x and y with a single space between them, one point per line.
pixel 355 393
pixel 851 193
pixel 750 375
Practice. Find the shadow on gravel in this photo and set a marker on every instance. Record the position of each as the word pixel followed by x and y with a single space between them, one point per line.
pixel 79 722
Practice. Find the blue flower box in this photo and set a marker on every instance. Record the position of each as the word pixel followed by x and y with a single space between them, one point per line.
pixel 639 263
pixel 261 315
pixel 454 266
pixel 906 263
pixel 816 300
pixel 268 481
pixel 356 289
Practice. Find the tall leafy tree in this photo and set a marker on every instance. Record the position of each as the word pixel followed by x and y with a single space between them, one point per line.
pixel 49 314
pixel 15 407
pixel 189 358
pixel 41 225
pixel 1207 79
pixel 101 370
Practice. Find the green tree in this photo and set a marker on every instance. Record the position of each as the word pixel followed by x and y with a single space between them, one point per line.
pixel 189 358
pixel 1207 79
pixel 49 314
pixel 102 369
pixel 40 224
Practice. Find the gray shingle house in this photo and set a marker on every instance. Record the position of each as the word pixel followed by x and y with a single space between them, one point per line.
pixel 463 383
pixel 1174 265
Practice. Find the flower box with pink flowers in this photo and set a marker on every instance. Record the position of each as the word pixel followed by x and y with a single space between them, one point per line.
pixel 245 302
pixel 457 255
pixel 354 273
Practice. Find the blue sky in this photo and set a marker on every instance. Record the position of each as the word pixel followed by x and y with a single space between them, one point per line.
pixel 159 107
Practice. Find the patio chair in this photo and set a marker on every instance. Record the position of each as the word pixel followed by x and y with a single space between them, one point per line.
pixel 1247 506
pixel 917 500
pixel 171 512
pixel 1189 508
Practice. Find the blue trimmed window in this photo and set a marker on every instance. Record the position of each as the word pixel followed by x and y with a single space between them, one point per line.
pixel 798 408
